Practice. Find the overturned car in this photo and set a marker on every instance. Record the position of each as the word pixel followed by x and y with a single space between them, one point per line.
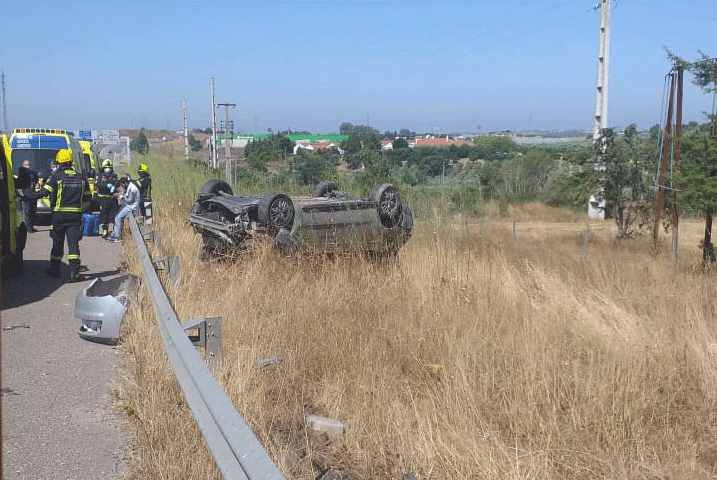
pixel 327 221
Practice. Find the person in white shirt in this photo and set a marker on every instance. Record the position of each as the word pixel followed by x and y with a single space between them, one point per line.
pixel 129 200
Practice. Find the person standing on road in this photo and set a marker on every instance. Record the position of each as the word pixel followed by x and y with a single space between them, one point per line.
pixel 106 186
pixel 130 200
pixel 27 179
pixel 67 190
pixel 145 188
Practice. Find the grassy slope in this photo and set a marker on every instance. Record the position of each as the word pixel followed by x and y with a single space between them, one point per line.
pixel 475 355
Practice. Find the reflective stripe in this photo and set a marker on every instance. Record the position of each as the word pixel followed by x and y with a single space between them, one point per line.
pixel 52 257
pixel 68 209
pixel 73 257
pixel 48 188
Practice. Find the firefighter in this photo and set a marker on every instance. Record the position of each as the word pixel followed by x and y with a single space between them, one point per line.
pixel 145 188
pixel 67 190
pixel 106 185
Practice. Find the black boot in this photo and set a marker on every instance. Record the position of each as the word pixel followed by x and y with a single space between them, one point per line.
pixel 54 270
pixel 75 271
pixel 75 276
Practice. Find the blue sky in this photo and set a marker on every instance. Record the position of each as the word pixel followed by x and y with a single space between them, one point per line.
pixel 427 65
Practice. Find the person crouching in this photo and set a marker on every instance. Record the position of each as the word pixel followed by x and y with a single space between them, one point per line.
pixel 129 200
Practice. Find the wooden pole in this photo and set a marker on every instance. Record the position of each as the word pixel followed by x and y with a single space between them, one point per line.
pixel 663 165
pixel 678 139
pixel 586 239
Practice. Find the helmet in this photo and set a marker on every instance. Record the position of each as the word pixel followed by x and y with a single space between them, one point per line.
pixel 107 163
pixel 63 156
pixel 143 168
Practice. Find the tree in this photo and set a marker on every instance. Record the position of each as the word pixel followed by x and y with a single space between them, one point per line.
pixel 698 180
pixel 625 177
pixel 351 145
pixel 406 133
pixel 493 147
pixel 310 168
pixel 345 128
pixel 372 141
pixel 194 144
pixel 400 143
pixel 698 175
pixel 285 145
pixel 139 143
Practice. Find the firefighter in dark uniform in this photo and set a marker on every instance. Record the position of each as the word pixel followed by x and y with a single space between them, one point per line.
pixel 106 185
pixel 67 190
pixel 145 188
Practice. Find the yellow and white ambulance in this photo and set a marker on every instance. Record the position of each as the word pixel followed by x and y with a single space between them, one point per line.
pixel 39 146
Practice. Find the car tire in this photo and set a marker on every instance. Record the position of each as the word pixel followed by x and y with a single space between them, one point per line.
pixel 388 203
pixel 276 211
pixel 215 186
pixel 324 189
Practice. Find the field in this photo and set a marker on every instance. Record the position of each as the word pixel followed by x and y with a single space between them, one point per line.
pixel 478 353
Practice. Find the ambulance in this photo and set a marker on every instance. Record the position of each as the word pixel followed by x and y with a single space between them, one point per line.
pixel 40 146
pixel 90 157
pixel 12 221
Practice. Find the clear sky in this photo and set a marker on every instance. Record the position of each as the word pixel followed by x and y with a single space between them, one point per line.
pixel 427 65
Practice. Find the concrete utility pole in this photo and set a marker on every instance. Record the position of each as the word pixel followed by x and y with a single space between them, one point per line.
pixel 5 122
pixel 227 139
pixel 186 137
pixel 214 129
pixel 596 205
pixel 603 68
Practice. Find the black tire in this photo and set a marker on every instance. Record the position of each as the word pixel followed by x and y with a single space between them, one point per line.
pixel 324 189
pixel 388 203
pixel 276 211
pixel 213 187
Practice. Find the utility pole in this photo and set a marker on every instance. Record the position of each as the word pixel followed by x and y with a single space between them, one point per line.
pixel 678 158
pixel 214 129
pixel 663 165
pixel 5 123
pixel 186 137
pixel 602 70
pixel 596 204
pixel 227 139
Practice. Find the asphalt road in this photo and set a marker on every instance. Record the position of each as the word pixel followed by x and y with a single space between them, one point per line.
pixel 57 421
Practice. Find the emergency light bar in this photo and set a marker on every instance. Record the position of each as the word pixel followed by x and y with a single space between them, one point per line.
pixel 56 131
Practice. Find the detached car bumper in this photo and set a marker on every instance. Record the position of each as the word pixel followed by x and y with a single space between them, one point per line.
pixel 102 306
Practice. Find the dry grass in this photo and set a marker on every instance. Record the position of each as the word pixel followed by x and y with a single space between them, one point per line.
pixel 474 355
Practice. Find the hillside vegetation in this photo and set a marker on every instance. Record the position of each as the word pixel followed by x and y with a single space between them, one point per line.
pixel 476 354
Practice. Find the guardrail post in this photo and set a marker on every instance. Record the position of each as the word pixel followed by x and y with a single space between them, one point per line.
pixel 209 337
pixel 170 265
pixel 152 236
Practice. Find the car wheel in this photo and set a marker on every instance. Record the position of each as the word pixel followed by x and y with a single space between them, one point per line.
pixel 324 189
pixel 276 211
pixel 213 187
pixel 388 202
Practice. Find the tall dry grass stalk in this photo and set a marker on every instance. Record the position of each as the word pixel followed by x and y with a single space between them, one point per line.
pixel 474 355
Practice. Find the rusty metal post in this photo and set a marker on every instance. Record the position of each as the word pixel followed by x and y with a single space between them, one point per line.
pixel 663 164
pixel 678 140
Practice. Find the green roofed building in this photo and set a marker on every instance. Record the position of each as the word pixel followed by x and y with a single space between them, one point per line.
pixel 242 140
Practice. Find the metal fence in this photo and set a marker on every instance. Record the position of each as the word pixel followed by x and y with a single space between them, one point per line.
pixel 236 450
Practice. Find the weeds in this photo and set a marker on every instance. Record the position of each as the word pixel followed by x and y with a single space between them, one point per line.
pixel 474 355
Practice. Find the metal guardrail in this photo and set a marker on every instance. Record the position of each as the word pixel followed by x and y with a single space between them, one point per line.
pixel 236 450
